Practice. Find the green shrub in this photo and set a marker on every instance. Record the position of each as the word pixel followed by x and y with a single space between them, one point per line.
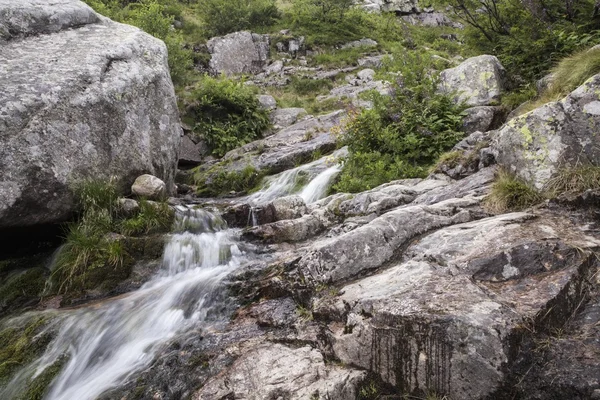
pixel 226 114
pixel 510 193
pixel 403 134
pixel 221 17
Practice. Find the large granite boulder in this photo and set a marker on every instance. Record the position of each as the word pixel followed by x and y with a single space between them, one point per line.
pixel 558 134
pixel 93 99
pixel 239 53
pixel 477 81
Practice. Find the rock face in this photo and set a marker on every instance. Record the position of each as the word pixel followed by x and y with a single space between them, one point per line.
pixel 482 118
pixel 477 81
pixel 92 101
pixel 274 371
pixel 239 53
pixel 441 319
pixel 559 134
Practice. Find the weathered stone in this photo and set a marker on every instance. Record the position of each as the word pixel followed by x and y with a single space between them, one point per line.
pixel 432 19
pixel 482 118
pixel 275 68
pixel 478 81
pixel 239 53
pixel 104 107
pixel 371 61
pixel 371 245
pixel 273 371
pixel 366 75
pixel 284 117
pixel 149 187
pixel 267 102
pixel 360 43
pixel 191 153
pixel 559 134
pixel 128 207
pixel 441 320
pixel 396 6
pixel 289 207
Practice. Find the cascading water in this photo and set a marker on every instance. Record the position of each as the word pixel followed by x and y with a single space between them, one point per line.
pixel 107 343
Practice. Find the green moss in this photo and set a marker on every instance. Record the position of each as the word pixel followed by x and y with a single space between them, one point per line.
pixel 37 388
pixel 21 343
pixel 211 183
pixel 152 217
pixel 22 286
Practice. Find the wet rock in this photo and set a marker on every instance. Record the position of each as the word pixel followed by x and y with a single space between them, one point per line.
pixel 267 102
pixel 289 230
pixel 105 107
pixel 239 53
pixel 272 371
pixel 149 187
pixel 556 135
pixel 442 319
pixel 284 117
pixel 478 81
pixel 482 118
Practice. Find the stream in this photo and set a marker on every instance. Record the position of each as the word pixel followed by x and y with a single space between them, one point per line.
pixel 109 342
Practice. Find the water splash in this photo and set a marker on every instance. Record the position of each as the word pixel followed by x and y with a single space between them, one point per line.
pixel 107 343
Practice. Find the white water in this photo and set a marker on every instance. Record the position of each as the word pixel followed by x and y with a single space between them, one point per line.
pixel 109 342
pixel 319 175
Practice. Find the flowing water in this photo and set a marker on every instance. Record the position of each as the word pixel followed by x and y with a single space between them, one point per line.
pixel 107 343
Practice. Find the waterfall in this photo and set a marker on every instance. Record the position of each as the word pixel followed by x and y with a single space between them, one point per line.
pixel 107 343
pixel 317 188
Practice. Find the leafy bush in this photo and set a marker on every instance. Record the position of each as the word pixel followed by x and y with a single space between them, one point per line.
pixel 221 17
pixel 327 22
pixel 510 193
pixel 403 134
pixel 226 114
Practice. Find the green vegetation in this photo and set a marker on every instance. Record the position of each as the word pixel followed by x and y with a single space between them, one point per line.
pixel 217 183
pixel 403 134
pixel 221 17
pixel 510 193
pixel 21 343
pixel 567 75
pixel 94 252
pixel 225 113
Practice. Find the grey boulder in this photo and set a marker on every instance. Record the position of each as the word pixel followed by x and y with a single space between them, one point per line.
pixel 477 81
pixel 94 101
pixel 556 135
pixel 239 53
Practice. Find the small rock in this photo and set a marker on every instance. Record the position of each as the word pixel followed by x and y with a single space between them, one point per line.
pixel 128 207
pixel 275 68
pixel 150 187
pixel 366 75
pixel 371 61
pixel 360 43
pixel 267 102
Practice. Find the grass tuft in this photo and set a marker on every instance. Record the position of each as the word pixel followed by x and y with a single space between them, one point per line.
pixel 574 180
pixel 510 193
